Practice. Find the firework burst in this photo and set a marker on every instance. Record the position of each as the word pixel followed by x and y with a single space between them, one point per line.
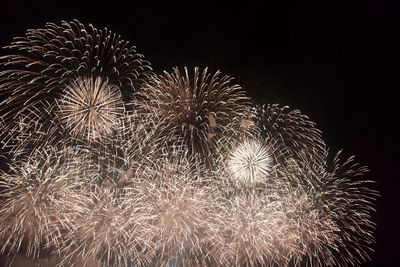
pixel 46 61
pixel 33 193
pixel 194 110
pixel 91 108
pixel 303 216
pixel 339 196
pixel 250 162
pixel 111 225
pixel 181 206
pixel 291 131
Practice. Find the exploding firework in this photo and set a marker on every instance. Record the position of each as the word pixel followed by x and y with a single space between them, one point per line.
pixel 250 162
pixel 33 193
pixel 181 207
pixel 47 61
pixel 111 225
pixel 194 110
pixel 306 215
pixel 335 194
pixel 66 84
pixel 91 108
pixel 291 131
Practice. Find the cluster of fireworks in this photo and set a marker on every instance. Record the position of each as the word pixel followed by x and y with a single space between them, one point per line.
pixel 110 164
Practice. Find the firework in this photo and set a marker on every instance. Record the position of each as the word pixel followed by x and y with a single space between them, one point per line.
pixel 109 225
pixel 250 162
pixel 347 200
pixel 181 206
pixel 306 214
pixel 194 110
pixel 91 108
pixel 152 218
pixel 47 61
pixel 291 131
pixel 33 193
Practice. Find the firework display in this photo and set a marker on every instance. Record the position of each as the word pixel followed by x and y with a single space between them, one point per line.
pixel 110 164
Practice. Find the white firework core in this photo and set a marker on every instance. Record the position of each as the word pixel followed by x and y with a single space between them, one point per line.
pixel 91 108
pixel 250 162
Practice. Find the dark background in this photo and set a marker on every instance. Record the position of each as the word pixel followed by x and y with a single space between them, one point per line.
pixel 332 60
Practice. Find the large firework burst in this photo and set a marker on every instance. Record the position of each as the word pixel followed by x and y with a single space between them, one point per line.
pixel 185 172
pixel 46 61
pixel 195 110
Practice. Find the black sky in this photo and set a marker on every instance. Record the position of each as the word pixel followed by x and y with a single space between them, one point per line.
pixel 330 60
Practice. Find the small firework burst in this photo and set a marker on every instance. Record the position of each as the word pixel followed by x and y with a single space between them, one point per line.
pixel 194 110
pixel 250 162
pixel 45 60
pixel 91 108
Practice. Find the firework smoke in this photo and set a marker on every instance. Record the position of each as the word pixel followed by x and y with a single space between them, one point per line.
pixel 110 165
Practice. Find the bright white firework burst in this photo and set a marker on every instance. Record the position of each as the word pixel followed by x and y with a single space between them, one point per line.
pixel 250 162
pixel 91 108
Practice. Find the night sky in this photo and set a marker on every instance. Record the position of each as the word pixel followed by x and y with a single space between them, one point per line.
pixel 331 61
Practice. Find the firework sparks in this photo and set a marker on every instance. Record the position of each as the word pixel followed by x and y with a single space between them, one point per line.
pixel 182 173
pixel 91 108
pixel 194 110
pixel 181 205
pixel 34 130
pixel 250 162
pixel 45 60
pixel 291 131
pixel 110 225
pixel 33 192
